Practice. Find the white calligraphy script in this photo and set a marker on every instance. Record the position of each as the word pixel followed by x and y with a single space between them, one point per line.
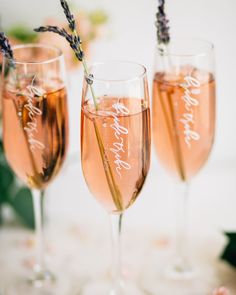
pixel 120 131
pixel 191 88
pixel 32 126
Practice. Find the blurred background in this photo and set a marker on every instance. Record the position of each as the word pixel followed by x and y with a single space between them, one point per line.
pixel 125 30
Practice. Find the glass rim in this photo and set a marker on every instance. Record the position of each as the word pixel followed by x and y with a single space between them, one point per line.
pixel 207 46
pixel 58 53
pixel 99 63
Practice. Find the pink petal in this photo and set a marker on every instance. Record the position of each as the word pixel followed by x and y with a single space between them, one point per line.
pixel 221 291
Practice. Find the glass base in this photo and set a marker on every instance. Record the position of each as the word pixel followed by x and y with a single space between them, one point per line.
pixel 38 285
pixel 174 281
pixel 180 270
pixel 163 286
pixel 41 279
pixel 105 288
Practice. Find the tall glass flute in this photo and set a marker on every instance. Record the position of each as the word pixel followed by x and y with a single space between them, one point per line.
pixel 35 127
pixel 115 148
pixel 183 123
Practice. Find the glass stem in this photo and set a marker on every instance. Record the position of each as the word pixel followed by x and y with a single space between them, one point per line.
pixel 38 213
pixel 116 224
pixel 181 264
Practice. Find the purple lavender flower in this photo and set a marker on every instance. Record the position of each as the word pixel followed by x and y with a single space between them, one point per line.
pixel 73 39
pixel 163 36
pixel 69 15
pixel 5 46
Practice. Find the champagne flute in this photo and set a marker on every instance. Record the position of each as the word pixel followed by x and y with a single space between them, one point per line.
pixel 35 128
pixel 183 125
pixel 115 149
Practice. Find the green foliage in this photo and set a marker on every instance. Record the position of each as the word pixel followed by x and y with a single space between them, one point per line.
pixel 6 179
pixel 229 253
pixel 98 17
pixel 22 204
pixel 22 33
pixel 11 193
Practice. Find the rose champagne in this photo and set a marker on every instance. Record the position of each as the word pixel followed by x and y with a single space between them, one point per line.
pixel 35 129
pixel 121 127
pixel 183 119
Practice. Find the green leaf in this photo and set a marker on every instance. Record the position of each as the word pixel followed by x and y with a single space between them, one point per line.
pixel 20 199
pixel 22 33
pixel 232 237
pixel 22 203
pixel 229 253
pixel 6 180
pixel 98 17
pixel 1 146
pixel 6 176
pixel 2 158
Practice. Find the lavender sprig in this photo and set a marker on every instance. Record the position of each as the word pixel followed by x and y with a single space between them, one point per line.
pixel 163 35
pixel 74 41
pixel 69 15
pixel 5 46
pixel 163 38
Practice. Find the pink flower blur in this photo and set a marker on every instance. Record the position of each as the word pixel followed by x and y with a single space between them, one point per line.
pixel 221 291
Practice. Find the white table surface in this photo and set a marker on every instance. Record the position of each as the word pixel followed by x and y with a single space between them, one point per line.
pixel 78 231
